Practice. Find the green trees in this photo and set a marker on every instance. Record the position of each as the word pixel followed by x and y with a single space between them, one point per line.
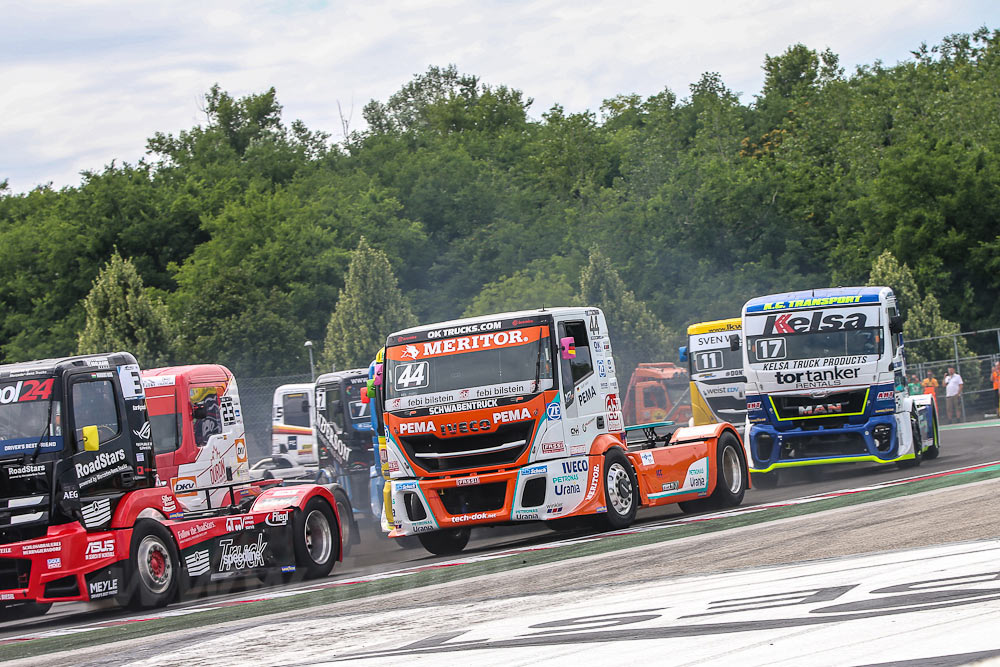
pixel 245 224
pixel 121 316
pixel 369 308
pixel 637 334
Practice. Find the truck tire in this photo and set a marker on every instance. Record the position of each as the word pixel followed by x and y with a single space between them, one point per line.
pixel 621 492
pixel 730 478
pixel 23 610
pixel 348 529
pixel 154 567
pixel 447 542
pixel 917 454
pixel 315 538
pixel 932 452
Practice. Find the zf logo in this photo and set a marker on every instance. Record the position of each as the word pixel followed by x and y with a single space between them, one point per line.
pixel 786 324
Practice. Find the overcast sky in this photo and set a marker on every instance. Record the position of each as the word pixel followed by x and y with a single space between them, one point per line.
pixel 88 81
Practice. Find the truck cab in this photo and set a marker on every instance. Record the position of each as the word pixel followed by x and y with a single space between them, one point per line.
pixel 825 384
pixel 197 429
pixel 84 516
pixel 291 423
pixel 718 385
pixel 516 417
pixel 343 432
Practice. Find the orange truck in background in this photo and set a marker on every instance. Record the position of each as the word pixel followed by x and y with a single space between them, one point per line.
pixel 516 417
pixel 657 391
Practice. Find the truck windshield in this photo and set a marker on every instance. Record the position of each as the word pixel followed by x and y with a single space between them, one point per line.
pixel 719 359
pixel 295 409
pixel 818 345
pixel 25 417
pixel 502 363
pixel 359 411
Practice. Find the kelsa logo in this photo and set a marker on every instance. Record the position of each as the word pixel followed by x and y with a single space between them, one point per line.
pixel 26 390
pixel 788 323
pixel 886 396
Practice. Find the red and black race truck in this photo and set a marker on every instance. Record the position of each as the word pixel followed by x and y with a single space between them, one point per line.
pixel 82 516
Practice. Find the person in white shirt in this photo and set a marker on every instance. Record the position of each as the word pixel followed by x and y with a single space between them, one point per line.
pixel 952 392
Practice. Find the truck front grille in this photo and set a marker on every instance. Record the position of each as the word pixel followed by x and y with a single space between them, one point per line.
pixel 502 447
pixel 478 498
pixel 833 406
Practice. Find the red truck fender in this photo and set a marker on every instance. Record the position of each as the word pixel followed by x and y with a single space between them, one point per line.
pixel 297 497
pixel 159 499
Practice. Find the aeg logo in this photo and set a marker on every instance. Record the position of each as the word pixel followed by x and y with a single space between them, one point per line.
pixel 786 324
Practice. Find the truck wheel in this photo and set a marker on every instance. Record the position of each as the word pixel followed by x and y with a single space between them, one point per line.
pixel 620 492
pixel 917 454
pixel 935 449
pixel 17 612
pixel 447 542
pixel 347 528
pixel 765 480
pixel 730 478
pixel 316 538
pixel 154 569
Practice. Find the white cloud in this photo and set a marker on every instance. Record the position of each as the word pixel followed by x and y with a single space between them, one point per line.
pixel 85 83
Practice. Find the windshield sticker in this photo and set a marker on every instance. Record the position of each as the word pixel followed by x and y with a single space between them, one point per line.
pixel 26 390
pixel 427 400
pixel 483 341
pixel 131 381
pixel 159 381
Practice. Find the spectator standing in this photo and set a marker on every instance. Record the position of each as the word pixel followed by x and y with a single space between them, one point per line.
pixel 952 394
pixel 930 383
pixel 914 387
pixel 996 384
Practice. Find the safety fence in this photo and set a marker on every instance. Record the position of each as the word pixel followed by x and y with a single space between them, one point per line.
pixel 973 355
pixel 256 397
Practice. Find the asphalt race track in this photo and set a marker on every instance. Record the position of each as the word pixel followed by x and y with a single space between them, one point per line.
pixel 898 549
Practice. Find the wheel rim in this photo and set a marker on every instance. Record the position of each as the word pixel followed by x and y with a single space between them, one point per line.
pixel 319 538
pixel 619 486
pixel 732 471
pixel 155 568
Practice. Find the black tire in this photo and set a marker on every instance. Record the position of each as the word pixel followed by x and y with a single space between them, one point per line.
pixel 23 610
pixel 153 573
pixel 765 480
pixel 621 492
pixel 348 528
pixel 407 541
pixel 447 542
pixel 730 478
pixel 917 454
pixel 932 452
pixel 315 538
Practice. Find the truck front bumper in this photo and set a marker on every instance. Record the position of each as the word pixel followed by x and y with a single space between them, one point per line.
pixel 537 492
pixel 58 566
pixel 876 440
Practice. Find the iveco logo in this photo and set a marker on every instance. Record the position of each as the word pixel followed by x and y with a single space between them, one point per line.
pixel 821 409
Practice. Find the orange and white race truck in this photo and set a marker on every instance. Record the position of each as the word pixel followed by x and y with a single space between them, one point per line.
pixel 516 417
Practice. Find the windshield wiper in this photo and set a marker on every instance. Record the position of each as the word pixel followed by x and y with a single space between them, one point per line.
pixel 538 364
pixel 36 451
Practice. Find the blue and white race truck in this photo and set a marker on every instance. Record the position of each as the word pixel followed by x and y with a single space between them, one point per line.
pixel 825 383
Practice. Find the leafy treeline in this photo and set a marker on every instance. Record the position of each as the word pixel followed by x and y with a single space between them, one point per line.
pixel 242 228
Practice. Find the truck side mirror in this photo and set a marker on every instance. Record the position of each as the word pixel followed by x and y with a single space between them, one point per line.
pixel 91 439
pixel 567 348
pixel 734 343
pixel 369 391
pixel 379 369
pixel 896 324
pixel 682 353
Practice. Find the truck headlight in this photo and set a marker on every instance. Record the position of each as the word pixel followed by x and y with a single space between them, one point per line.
pixel 883 436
